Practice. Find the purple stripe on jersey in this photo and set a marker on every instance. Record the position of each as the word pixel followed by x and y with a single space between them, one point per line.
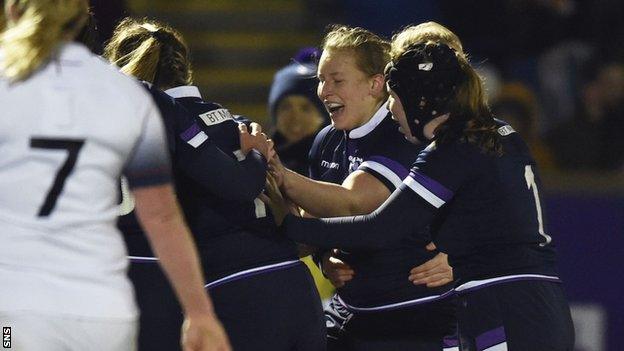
pixel 235 277
pixel 190 133
pixel 491 338
pixel 436 188
pixel 450 341
pixel 392 165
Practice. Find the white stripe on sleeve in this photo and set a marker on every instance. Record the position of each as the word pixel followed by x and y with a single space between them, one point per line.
pixel 384 171
pixel 423 192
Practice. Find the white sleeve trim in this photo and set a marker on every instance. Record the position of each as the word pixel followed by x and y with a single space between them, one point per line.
pixel 500 347
pixel 384 171
pixel 198 139
pixel 430 197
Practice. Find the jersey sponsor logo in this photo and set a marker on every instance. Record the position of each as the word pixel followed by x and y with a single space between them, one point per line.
pixel 216 116
pixel 330 165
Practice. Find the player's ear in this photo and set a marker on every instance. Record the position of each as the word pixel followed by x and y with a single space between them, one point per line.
pixel 377 84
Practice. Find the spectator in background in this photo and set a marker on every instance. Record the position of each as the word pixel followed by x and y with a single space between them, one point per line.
pixel 295 110
pixel 592 139
pixel 516 104
pixel 297 115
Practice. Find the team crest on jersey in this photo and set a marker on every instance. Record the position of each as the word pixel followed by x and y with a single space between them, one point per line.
pixel 216 116
pixel 354 163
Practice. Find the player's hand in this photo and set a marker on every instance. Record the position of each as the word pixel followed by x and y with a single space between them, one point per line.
pixel 273 197
pixel 277 170
pixel 255 140
pixel 204 333
pixel 335 269
pixel 435 272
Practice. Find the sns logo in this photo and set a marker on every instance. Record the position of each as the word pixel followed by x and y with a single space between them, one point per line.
pixel 6 337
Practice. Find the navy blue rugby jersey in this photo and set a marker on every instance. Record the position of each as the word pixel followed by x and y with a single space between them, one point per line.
pixel 379 149
pixel 491 221
pixel 232 234
pixel 217 187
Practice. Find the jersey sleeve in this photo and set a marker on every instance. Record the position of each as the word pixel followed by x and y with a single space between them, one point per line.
pixel 202 160
pixel 387 170
pixel 402 214
pixel 149 162
pixel 439 172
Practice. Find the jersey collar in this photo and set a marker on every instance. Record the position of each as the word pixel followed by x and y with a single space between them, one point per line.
pixel 369 126
pixel 184 91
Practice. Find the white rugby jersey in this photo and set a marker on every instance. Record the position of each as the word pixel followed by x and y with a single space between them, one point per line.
pixel 66 134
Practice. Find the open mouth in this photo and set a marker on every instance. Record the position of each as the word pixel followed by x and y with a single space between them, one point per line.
pixel 333 107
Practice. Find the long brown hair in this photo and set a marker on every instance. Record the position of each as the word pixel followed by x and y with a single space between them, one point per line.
pixel 29 40
pixel 150 51
pixel 470 117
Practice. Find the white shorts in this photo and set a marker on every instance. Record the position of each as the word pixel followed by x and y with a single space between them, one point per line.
pixel 31 331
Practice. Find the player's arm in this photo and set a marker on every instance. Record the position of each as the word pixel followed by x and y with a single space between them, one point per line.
pixel 402 214
pixel 228 178
pixel 359 193
pixel 148 174
pixel 408 210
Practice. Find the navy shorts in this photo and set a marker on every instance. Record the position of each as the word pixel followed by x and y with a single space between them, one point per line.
pixel 417 328
pixel 515 316
pixel 274 311
pixel 161 316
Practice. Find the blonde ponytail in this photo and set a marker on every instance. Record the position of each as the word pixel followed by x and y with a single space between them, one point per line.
pixel 150 51
pixel 141 63
pixel 28 41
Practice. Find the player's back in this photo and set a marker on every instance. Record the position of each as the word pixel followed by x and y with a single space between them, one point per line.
pixel 495 222
pixel 65 135
pixel 231 235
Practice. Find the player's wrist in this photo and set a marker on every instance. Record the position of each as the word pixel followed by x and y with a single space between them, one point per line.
pixel 288 181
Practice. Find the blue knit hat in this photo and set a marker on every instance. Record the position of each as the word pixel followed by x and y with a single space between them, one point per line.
pixel 297 78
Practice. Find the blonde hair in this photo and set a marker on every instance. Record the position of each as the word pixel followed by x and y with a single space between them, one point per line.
pixel 427 32
pixel 150 51
pixel 28 41
pixel 371 51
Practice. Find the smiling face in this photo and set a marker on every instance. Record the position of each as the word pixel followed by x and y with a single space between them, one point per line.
pixel 349 95
pixel 297 118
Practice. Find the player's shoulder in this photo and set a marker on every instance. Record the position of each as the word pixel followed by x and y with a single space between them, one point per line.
pixel 323 137
pixel 386 139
